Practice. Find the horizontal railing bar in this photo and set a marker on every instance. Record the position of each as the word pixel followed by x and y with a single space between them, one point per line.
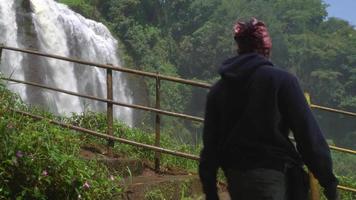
pixel 343 150
pixel 130 142
pixel 345 188
pixel 333 110
pixel 115 68
pixel 184 116
pixel 105 136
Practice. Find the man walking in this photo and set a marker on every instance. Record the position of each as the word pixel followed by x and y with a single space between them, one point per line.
pixel 249 114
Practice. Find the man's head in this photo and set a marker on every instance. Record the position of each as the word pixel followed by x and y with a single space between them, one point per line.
pixel 252 36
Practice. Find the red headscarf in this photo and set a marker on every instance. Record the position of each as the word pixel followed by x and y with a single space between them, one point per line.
pixel 255 32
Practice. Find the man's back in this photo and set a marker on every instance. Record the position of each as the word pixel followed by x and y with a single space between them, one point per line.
pixel 248 115
pixel 251 126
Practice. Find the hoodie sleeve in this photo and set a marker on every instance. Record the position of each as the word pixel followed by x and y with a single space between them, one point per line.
pixel 208 165
pixel 310 141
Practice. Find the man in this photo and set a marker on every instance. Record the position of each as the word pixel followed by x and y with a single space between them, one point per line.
pixel 249 114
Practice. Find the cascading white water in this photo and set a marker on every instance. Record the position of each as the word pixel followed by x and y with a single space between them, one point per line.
pixel 8 35
pixel 59 30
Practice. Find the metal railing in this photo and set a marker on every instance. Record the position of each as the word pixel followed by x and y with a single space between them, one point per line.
pixel 157 110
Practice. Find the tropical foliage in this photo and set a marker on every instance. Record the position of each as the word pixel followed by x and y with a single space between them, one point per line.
pixel 41 161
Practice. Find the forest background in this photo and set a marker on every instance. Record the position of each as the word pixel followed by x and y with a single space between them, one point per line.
pixel 190 39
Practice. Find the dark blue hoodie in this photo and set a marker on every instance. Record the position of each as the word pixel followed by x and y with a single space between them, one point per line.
pixel 249 114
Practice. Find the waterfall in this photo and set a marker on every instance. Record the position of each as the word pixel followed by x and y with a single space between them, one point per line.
pixel 8 35
pixel 53 28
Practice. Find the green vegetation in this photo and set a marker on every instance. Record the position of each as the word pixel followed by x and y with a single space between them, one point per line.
pixel 344 167
pixel 97 122
pixel 85 7
pixel 41 161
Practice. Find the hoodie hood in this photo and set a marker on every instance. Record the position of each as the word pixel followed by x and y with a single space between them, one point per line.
pixel 241 67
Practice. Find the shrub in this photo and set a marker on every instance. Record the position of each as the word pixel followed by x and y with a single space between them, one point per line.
pixel 41 161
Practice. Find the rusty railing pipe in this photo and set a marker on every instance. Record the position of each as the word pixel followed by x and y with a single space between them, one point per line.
pixel 333 110
pixel 115 68
pixel 173 114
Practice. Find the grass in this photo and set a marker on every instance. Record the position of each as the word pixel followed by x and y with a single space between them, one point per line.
pixel 97 122
pixel 41 161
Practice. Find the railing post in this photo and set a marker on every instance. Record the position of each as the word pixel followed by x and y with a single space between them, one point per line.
pixel 158 124
pixel 1 47
pixel 314 186
pixel 110 109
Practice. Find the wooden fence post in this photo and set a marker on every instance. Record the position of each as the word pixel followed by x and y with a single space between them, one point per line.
pixel 314 185
pixel 158 124
pixel 1 46
pixel 110 109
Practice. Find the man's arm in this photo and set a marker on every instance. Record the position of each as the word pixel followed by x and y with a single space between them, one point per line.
pixel 311 143
pixel 208 165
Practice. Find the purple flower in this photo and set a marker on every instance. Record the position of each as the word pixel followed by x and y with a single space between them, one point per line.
pixel 86 185
pixel 44 173
pixel 19 154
